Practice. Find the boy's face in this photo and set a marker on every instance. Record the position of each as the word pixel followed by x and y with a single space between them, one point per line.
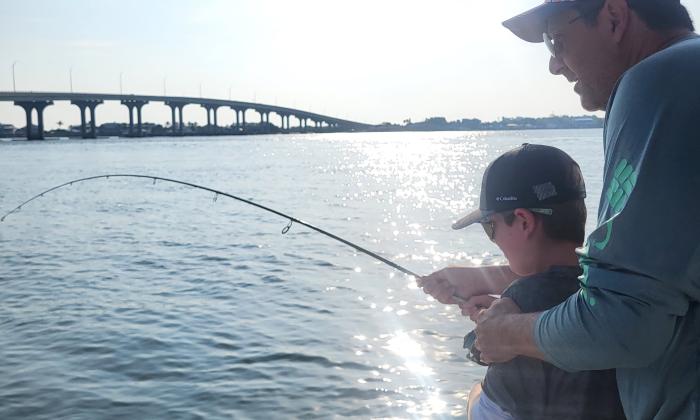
pixel 514 240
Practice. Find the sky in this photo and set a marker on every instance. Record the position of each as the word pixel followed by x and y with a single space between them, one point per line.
pixel 371 61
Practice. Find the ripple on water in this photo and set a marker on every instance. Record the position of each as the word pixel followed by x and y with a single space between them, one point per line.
pixel 295 358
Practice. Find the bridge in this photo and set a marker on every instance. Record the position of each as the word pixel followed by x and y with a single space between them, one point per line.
pixel 34 103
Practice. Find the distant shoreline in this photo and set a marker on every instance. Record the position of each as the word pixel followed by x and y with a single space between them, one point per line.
pixel 121 130
pixel 50 137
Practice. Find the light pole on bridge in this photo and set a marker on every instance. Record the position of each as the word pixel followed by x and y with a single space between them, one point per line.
pixel 121 90
pixel 14 85
pixel 70 78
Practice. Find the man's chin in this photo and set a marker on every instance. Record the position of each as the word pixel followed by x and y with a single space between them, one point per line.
pixel 589 107
pixel 590 104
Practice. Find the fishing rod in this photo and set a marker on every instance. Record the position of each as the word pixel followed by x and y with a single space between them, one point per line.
pixel 225 194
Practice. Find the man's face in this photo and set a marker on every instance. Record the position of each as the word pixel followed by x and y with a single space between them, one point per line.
pixel 586 56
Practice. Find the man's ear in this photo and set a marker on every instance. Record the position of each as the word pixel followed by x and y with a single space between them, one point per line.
pixel 615 17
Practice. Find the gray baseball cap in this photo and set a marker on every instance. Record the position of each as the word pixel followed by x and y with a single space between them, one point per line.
pixel 529 176
pixel 531 24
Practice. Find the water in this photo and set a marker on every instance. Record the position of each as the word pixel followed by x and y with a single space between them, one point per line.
pixel 124 299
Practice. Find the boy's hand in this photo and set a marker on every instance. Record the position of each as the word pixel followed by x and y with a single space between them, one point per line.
pixel 475 305
pixel 442 285
pixel 465 282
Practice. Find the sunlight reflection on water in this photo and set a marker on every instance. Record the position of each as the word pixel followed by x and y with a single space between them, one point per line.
pixel 203 309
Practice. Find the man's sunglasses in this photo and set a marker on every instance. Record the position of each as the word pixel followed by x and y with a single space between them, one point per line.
pixel 552 44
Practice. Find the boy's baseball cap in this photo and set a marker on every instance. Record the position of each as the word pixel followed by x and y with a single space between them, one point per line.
pixel 529 176
pixel 530 25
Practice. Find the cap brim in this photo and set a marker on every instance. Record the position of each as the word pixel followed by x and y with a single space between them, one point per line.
pixel 530 25
pixel 471 218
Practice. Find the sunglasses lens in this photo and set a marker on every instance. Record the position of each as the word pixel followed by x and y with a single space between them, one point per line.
pixel 548 43
pixel 488 228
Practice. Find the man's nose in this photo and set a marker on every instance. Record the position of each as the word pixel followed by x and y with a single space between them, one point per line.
pixel 556 66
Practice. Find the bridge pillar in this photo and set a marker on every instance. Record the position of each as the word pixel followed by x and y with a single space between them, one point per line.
pixel 93 129
pixel 90 105
pixel 132 104
pixel 283 124
pixel 237 111
pixel 240 117
pixel 211 109
pixel 178 128
pixel 29 107
pixel 172 124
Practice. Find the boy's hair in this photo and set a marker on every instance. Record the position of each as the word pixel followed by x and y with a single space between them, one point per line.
pixel 566 223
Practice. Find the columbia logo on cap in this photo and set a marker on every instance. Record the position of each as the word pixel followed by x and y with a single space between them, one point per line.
pixel 545 191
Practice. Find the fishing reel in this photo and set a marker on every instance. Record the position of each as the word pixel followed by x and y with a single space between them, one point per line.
pixel 473 353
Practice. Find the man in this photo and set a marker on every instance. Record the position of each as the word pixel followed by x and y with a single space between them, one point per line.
pixel 638 308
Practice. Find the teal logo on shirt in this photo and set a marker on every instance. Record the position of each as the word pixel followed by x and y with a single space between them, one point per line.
pixel 619 190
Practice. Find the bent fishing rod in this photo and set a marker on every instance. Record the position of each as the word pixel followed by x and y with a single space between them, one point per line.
pixel 225 194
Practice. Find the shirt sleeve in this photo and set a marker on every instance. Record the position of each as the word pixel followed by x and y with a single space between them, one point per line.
pixel 642 264
pixel 621 330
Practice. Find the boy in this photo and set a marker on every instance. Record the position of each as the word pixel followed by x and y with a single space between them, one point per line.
pixel 532 207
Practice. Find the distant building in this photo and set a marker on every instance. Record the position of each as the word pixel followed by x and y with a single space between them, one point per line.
pixel 112 129
pixel 7 130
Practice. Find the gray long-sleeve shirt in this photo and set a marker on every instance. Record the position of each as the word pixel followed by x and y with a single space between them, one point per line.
pixel 638 309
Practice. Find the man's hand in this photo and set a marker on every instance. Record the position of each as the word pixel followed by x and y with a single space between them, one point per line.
pixel 466 282
pixel 503 332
